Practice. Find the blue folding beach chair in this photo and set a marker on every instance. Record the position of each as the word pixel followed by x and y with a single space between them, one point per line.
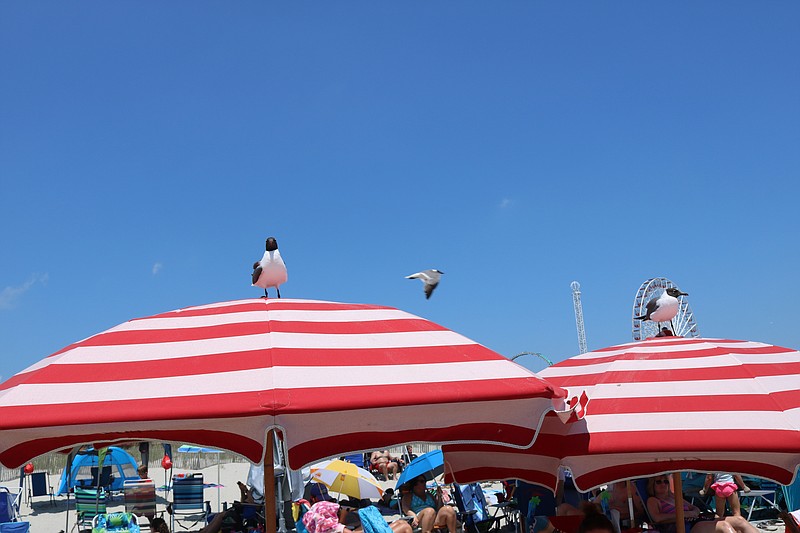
pixel 15 527
pixel 474 512
pixel 187 500
pixel 9 504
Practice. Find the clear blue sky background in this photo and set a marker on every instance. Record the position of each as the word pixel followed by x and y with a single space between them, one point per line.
pixel 148 148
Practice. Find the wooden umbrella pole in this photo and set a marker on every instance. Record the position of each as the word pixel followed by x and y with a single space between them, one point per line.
pixel 680 523
pixel 270 513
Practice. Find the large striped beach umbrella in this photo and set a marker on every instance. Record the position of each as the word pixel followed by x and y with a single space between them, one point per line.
pixel 332 377
pixel 657 406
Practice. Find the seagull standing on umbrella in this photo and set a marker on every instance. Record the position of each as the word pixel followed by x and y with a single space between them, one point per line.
pixel 664 308
pixel 270 271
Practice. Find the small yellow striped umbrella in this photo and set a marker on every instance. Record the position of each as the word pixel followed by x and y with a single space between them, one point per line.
pixel 346 478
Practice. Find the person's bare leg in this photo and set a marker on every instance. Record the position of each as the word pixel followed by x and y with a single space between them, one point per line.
pixel 401 526
pixel 740 524
pixel 719 505
pixel 447 516
pixel 736 507
pixel 425 519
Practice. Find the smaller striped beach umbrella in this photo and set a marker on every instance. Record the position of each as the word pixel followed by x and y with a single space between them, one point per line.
pixel 657 406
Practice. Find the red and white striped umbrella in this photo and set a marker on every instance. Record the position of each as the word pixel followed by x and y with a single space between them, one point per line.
pixel 656 406
pixel 334 377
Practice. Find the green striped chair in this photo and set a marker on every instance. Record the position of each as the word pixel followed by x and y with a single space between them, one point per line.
pixel 88 504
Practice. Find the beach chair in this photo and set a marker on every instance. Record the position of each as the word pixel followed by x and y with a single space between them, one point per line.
pixel 105 477
pixel 760 499
pixel 140 497
pixel 115 523
pixel 355 458
pixel 473 511
pixel 40 486
pixel 88 504
pixel 15 527
pixel 9 504
pixel 187 501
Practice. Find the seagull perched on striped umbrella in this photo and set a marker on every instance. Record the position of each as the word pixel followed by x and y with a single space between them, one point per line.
pixel 664 308
pixel 430 278
pixel 270 271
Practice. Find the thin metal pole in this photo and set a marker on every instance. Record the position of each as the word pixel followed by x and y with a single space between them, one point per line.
pixel 269 484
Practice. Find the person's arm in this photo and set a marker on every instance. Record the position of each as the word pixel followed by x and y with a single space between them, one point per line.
pixel 741 483
pixel 655 512
pixel 216 523
pixel 706 485
pixel 405 499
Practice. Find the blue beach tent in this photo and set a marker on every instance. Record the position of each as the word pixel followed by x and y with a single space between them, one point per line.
pixel 123 467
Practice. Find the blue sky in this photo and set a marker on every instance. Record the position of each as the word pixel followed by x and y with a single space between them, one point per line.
pixel 147 149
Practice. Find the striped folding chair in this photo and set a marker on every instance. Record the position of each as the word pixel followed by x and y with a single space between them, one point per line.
pixel 187 500
pixel 88 504
pixel 140 497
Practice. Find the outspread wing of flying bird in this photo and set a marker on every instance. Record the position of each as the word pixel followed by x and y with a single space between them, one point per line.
pixel 430 279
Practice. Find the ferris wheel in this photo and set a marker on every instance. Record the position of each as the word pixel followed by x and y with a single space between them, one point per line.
pixel 683 323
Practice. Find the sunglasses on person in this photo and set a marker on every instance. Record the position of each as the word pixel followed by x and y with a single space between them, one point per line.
pixel 660 482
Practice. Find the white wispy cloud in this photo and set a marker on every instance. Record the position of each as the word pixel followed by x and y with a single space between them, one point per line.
pixel 157 268
pixel 505 202
pixel 11 294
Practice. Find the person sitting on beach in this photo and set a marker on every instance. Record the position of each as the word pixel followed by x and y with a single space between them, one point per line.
pixel 387 504
pixel 158 525
pixel 595 521
pixel 661 507
pixel 725 486
pixel 426 510
pixel 330 517
pixel 618 501
pixel 384 462
pixel 408 456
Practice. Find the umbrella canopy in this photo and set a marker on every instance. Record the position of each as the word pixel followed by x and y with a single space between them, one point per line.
pixel 657 406
pixel 346 478
pixel 333 377
pixel 430 465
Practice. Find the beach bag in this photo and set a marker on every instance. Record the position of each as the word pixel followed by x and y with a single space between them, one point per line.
pixel 300 508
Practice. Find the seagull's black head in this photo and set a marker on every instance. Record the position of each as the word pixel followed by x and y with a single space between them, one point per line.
pixel 439 271
pixel 675 292
pixel 272 244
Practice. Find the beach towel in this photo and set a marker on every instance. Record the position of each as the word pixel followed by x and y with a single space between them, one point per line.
pixel 323 517
pixel 372 520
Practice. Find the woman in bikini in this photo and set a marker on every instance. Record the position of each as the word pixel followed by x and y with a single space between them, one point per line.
pixel 661 507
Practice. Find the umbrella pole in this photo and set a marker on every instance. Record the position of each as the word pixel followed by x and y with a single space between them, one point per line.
pixel 678 483
pixel 269 484
pixel 630 501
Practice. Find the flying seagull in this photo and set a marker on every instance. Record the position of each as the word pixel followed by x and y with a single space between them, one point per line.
pixel 664 308
pixel 430 278
pixel 270 271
